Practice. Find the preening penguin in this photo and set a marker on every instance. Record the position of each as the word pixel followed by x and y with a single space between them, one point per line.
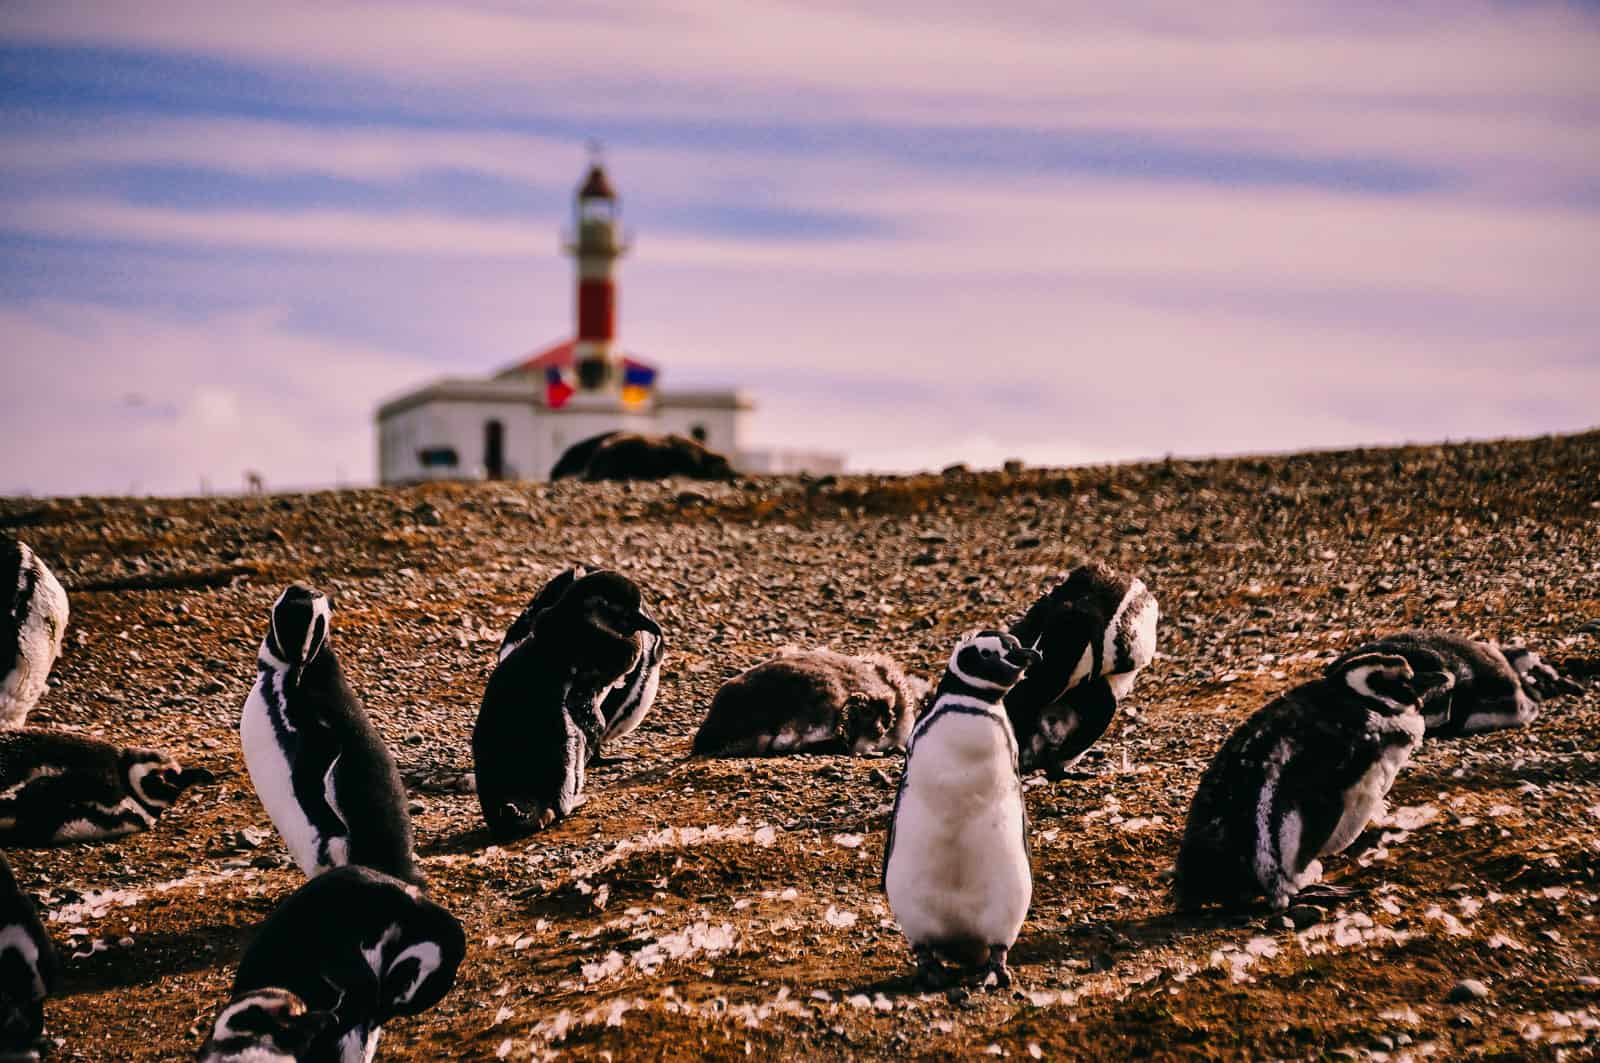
pixel 33 621
pixel 1096 631
pixel 956 867
pixel 347 952
pixel 29 970
pixel 1300 780
pixel 814 701
pixel 57 787
pixel 626 703
pixel 320 768
pixel 542 718
pixel 1495 686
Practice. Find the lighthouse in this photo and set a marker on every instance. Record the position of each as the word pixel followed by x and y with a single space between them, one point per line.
pixel 595 246
pixel 517 422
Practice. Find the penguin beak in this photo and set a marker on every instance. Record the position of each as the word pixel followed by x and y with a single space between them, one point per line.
pixel 646 623
pixel 1024 657
pixel 193 777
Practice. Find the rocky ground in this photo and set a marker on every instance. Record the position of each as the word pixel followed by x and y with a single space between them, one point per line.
pixel 725 909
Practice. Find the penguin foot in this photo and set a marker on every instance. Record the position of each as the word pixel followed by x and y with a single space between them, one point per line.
pixel 931 974
pixel 996 975
pixel 1322 895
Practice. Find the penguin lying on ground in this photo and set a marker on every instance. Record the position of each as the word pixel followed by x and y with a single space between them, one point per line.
pixel 633 456
pixel 57 787
pixel 1096 631
pixel 956 867
pixel 812 701
pixel 625 704
pixel 347 952
pixel 541 720
pixel 1300 780
pixel 1495 687
pixel 33 621
pixel 318 765
pixel 29 970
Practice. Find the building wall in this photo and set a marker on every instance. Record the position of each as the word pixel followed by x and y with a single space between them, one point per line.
pixel 777 462
pixel 461 426
pixel 724 427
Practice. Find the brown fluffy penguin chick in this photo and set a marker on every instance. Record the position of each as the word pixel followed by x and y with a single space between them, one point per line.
pixel 812 701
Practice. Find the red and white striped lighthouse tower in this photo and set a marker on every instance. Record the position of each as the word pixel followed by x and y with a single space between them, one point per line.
pixel 596 245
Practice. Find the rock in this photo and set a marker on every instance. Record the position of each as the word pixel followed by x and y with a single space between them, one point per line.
pixel 428 515
pixel 1025 542
pixel 1466 991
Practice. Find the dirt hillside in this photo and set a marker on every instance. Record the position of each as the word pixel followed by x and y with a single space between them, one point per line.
pixel 726 909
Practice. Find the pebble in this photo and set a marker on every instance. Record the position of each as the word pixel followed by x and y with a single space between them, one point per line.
pixel 1466 991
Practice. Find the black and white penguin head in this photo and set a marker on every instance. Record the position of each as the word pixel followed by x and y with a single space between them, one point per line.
pixel 991 661
pixel 1540 681
pixel 601 613
pixel 1387 684
pixel 155 780
pixel 264 1026
pixel 299 628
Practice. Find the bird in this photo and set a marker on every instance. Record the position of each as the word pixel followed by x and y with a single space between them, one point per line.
pixel 627 703
pixel 812 700
pixel 1300 780
pixel 956 866
pixel 1496 687
pixel 33 621
pixel 318 765
pixel 58 787
pixel 540 721
pixel 30 970
pixel 1097 631
pixel 354 948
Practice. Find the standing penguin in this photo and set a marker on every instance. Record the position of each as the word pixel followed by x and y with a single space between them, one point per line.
pixel 320 768
pixel 812 701
pixel 1096 631
pixel 1299 780
pixel 627 702
pixel 33 621
pixel 347 952
pixel 541 720
pixel 1495 686
pixel 956 867
pixel 58 787
pixel 29 970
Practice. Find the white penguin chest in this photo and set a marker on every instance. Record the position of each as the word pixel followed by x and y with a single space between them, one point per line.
pixel 38 645
pixel 272 775
pixel 1365 798
pixel 959 867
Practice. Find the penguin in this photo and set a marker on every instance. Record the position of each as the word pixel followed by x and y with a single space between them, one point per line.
pixel 264 1026
pixel 29 970
pixel 1097 631
pixel 541 720
pixel 353 948
pixel 812 701
pixel 626 703
pixel 1496 687
pixel 956 867
pixel 318 765
pixel 1300 780
pixel 57 787
pixel 33 621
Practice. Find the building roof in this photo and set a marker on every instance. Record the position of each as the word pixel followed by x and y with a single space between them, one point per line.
pixel 596 185
pixel 519 388
pixel 560 355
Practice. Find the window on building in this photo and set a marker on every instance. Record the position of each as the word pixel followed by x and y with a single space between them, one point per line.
pixel 438 457
pixel 494 450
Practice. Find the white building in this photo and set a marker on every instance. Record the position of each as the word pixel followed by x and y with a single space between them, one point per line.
pixel 518 422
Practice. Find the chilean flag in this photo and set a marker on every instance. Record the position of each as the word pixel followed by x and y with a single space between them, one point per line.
pixel 556 389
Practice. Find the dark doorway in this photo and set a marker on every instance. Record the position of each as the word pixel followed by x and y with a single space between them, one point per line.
pixel 494 450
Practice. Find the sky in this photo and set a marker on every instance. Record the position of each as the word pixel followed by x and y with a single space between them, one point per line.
pixel 915 232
